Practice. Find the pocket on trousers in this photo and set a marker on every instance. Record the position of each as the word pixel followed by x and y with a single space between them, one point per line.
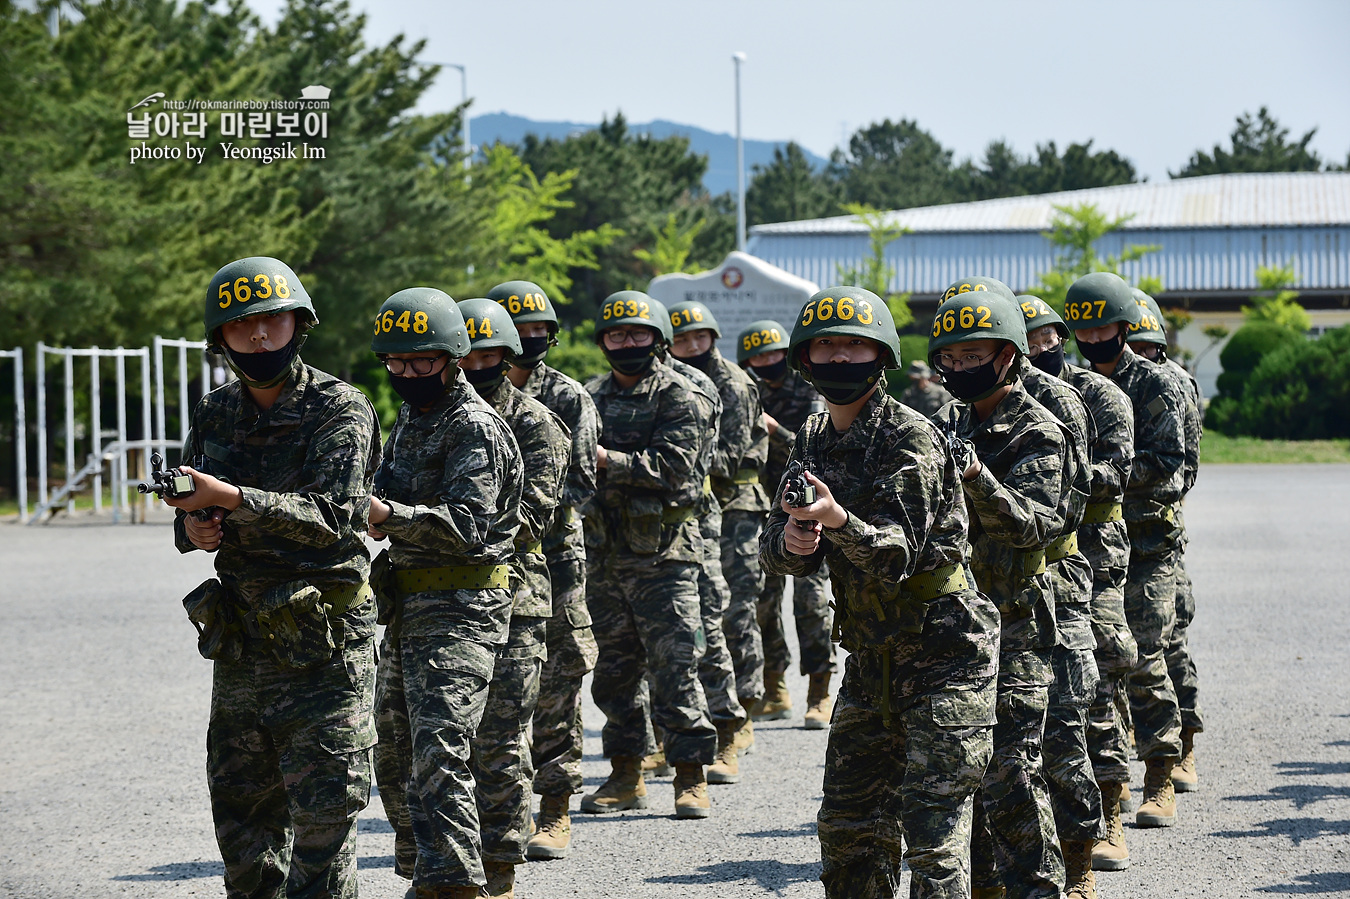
pixel 964 708
pixel 463 657
pixel 643 524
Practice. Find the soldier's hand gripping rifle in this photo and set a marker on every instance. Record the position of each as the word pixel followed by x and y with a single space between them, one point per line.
pixel 171 484
pixel 962 450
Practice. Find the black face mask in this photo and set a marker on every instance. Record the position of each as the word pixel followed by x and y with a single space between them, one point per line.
pixel 534 349
pixel 970 385
pixel 844 382
pixel 419 392
pixel 1103 353
pixel 630 360
pixel 701 361
pixel 1050 361
pixel 261 370
pixel 771 374
pixel 485 380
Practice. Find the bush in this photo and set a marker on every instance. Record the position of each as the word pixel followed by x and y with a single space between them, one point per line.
pixel 1248 346
pixel 913 348
pixel 1298 391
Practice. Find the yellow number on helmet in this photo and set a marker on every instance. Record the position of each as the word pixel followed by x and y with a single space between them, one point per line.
pixel 420 323
pixel 403 320
pixel 283 289
pixel 264 287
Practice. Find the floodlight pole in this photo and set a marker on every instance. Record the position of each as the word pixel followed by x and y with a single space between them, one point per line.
pixel 738 58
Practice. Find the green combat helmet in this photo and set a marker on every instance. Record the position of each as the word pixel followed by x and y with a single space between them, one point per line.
pixel 691 315
pixel 418 319
pixel 527 303
pixel 763 336
pixel 489 326
pixel 633 307
pixel 979 314
pixel 978 283
pixel 1038 314
pixel 844 312
pixel 1100 298
pixel 253 286
pixel 1149 328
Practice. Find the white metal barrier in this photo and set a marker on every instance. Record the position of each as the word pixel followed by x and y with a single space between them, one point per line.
pixel 184 413
pixel 20 433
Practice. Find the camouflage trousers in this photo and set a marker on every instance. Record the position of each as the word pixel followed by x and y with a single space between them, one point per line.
pixel 1074 796
pixel 1116 654
pixel 1015 843
pixel 739 543
pixel 288 769
pixel 716 670
pixel 811 613
pixel 429 698
pixel 1150 608
pixel 557 730
pixel 502 768
pixel 1180 663
pixel 910 781
pixel 647 622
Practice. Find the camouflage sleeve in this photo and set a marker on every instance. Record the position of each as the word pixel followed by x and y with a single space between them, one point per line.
pixel 1023 511
pixel 774 557
pixel 737 430
pixel 584 422
pixel 668 463
pixel 1113 450
pixel 908 498
pixel 1160 438
pixel 332 500
pixel 475 474
pixel 543 457
pixel 1193 427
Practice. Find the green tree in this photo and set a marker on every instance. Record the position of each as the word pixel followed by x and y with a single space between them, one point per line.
pixel 1275 302
pixel 1299 390
pixel 1074 232
pixel 894 165
pixel 671 246
pixel 1003 173
pixel 788 189
pixel 1257 145
pixel 875 273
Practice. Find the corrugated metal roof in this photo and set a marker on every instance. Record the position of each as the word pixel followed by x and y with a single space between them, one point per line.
pixel 1277 199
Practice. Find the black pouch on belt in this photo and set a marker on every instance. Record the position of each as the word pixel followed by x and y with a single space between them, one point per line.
pixel 219 632
pixel 386 589
pixel 293 621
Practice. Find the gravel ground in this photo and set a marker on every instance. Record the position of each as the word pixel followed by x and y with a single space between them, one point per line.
pixel 104 704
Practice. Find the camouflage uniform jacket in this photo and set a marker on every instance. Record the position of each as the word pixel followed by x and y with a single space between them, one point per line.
pixel 1193 424
pixel 1016 508
pixel 892 472
pixel 545 448
pixel 1157 475
pixel 453 478
pixel 1106 545
pixel 790 403
pixel 304 467
pixel 926 398
pixel 653 434
pixel 742 441
pixel 710 404
pixel 567 399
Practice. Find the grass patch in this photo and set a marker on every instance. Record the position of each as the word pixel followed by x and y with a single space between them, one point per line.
pixel 1224 450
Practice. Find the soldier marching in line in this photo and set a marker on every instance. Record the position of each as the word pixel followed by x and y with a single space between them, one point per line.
pixel 787 399
pixel 924 394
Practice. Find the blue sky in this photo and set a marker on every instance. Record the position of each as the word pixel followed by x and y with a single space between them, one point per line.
pixel 1153 80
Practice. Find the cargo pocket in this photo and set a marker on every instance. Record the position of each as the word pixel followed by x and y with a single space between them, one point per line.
pixel 642 517
pixel 219 635
pixel 965 708
pixel 455 682
pixel 294 621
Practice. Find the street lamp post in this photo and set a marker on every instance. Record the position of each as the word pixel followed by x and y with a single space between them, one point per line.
pixel 739 58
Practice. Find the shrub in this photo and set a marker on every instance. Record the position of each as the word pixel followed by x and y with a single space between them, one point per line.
pixel 1298 391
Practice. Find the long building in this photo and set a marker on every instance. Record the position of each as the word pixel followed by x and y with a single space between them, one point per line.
pixel 1211 234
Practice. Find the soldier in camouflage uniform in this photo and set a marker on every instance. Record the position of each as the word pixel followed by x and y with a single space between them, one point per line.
pixel 1151 343
pixel 788 399
pixel 738 457
pixel 557 730
pixel 1074 795
pixel 448 498
pixel 1103 540
pixel 911 730
pixel 502 765
pixel 284 459
pixel 1098 309
pixel 643 551
pixel 924 395
pixel 1014 454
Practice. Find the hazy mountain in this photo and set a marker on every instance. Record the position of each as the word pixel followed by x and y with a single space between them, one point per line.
pixel 719 148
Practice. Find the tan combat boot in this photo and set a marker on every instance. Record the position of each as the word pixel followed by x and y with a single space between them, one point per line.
pixel 656 764
pixel 1126 799
pixel 727 768
pixel 1110 854
pixel 1078 880
pixel 553 839
pixel 623 790
pixel 1184 778
pixel 819 705
pixel 1159 808
pixel 691 792
pixel 745 737
pixel 501 880
pixel 776 704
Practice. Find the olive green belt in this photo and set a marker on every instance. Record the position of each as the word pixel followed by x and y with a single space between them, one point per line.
pixel 1033 562
pixel 453 577
pixel 746 476
pixel 1101 513
pixel 928 585
pixel 677 514
pixel 1062 548
pixel 343 599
